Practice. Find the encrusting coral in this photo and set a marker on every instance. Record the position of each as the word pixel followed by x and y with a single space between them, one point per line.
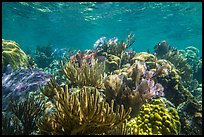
pixel 81 113
pixel 156 118
pixel 12 54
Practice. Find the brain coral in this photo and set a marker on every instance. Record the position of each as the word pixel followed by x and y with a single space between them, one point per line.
pixel 156 118
pixel 12 54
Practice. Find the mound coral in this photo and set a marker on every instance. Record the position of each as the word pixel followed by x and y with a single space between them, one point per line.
pixel 81 113
pixel 156 118
pixel 12 54
pixel 192 58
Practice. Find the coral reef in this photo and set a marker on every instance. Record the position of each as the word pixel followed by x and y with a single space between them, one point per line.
pixel 12 54
pixel 132 88
pixel 112 63
pixel 110 90
pixel 81 113
pixel 148 58
pixel 17 83
pixel 87 56
pixel 180 63
pixel 24 115
pixel 114 52
pixel 104 46
pixel 126 57
pixel 43 55
pixel 175 91
pixel 168 75
pixel 11 125
pixel 192 58
pixel 86 75
pixel 156 118
pixel 190 113
pixel 197 91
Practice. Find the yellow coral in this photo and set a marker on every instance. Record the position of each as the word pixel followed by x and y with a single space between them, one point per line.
pixel 85 75
pixel 12 54
pixel 82 113
pixel 160 119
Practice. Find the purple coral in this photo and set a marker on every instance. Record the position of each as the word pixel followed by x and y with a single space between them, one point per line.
pixel 150 90
pixel 17 83
pixel 100 42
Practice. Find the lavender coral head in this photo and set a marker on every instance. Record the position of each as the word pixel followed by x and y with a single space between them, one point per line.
pixel 16 83
pixel 148 89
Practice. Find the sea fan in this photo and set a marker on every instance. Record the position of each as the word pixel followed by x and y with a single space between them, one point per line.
pixel 18 83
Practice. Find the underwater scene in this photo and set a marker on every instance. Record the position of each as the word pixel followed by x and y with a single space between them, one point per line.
pixel 101 68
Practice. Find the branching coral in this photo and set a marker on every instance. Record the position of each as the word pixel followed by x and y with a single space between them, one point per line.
pixel 105 47
pixel 11 125
pixel 27 111
pixel 180 63
pixel 12 54
pixel 82 113
pixel 155 118
pixel 85 75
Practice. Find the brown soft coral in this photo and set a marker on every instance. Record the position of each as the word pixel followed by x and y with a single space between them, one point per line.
pixel 86 75
pixel 82 113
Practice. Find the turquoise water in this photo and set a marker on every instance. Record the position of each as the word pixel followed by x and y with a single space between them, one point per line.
pixel 80 24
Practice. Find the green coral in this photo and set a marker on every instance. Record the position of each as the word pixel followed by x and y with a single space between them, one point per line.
pixel 156 118
pixel 12 54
